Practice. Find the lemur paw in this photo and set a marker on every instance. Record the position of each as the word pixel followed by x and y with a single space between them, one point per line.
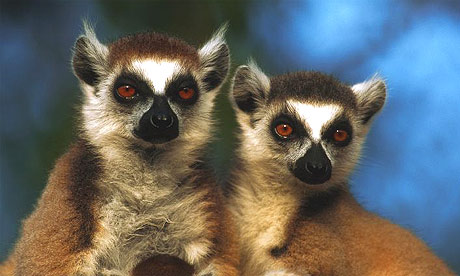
pixel 283 273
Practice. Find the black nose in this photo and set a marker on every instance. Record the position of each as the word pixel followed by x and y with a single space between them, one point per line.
pixel 162 120
pixel 317 169
pixel 159 124
pixel 314 167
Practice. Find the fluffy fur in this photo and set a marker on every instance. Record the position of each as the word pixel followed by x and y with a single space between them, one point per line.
pixel 289 227
pixel 118 205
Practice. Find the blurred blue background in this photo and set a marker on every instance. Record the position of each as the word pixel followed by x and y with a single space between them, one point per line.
pixel 410 172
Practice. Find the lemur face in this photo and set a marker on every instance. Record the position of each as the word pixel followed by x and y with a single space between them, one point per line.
pixel 148 89
pixel 308 123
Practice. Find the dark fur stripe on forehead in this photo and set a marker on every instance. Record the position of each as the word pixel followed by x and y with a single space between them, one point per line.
pixel 311 87
pixel 151 45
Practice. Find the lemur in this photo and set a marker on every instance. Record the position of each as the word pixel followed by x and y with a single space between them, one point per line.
pixel 300 135
pixel 134 186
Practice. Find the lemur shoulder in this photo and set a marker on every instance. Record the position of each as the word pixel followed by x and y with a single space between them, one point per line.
pixel 300 137
pixel 134 187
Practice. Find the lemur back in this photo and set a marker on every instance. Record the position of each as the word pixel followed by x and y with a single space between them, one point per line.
pixel 133 195
pixel 300 137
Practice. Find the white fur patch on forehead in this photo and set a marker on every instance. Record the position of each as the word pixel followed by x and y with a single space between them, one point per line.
pixel 157 72
pixel 315 116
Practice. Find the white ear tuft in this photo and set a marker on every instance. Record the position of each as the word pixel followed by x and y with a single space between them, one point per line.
pixel 90 57
pixel 263 80
pixel 88 31
pixel 217 39
pixel 250 87
pixel 370 95
pixel 215 59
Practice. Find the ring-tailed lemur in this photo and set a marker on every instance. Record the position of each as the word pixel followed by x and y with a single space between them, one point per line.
pixel 134 185
pixel 301 135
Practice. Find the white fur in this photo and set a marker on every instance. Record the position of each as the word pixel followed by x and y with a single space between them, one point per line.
pixel 370 95
pixel 262 79
pixel 208 50
pixel 144 213
pixel 282 273
pixel 315 116
pixel 95 51
pixel 91 35
pixel 364 86
pixel 197 250
pixel 158 73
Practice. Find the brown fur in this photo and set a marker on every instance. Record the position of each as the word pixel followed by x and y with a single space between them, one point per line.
pixel 151 45
pixel 55 237
pixel 226 257
pixel 312 86
pixel 344 239
pixel 7 268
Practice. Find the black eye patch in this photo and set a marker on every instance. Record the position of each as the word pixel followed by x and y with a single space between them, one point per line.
pixel 339 132
pixel 126 78
pixel 297 128
pixel 180 82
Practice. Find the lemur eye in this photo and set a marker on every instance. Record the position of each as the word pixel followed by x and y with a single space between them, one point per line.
pixel 340 135
pixel 126 91
pixel 284 130
pixel 186 93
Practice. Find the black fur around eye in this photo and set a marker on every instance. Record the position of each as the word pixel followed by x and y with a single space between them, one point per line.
pixel 339 134
pixel 284 128
pixel 128 88
pixel 186 95
pixel 183 90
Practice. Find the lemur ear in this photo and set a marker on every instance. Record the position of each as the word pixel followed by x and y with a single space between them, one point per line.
pixel 370 96
pixel 250 87
pixel 215 60
pixel 90 57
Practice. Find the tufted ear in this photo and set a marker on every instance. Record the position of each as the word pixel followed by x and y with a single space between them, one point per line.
pixel 370 97
pixel 250 87
pixel 89 60
pixel 215 60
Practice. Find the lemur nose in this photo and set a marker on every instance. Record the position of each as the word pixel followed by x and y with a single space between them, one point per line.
pixel 162 120
pixel 316 169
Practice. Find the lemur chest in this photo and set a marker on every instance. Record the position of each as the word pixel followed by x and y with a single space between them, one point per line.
pixel 139 223
pixel 264 231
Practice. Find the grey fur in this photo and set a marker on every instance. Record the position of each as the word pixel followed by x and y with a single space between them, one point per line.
pixel 90 57
pixel 250 87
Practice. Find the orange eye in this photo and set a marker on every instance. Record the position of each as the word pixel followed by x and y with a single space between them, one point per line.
pixel 340 135
pixel 126 91
pixel 186 93
pixel 284 129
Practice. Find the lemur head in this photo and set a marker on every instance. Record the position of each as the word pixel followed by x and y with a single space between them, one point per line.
pixel 149 90
pixel 307 124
